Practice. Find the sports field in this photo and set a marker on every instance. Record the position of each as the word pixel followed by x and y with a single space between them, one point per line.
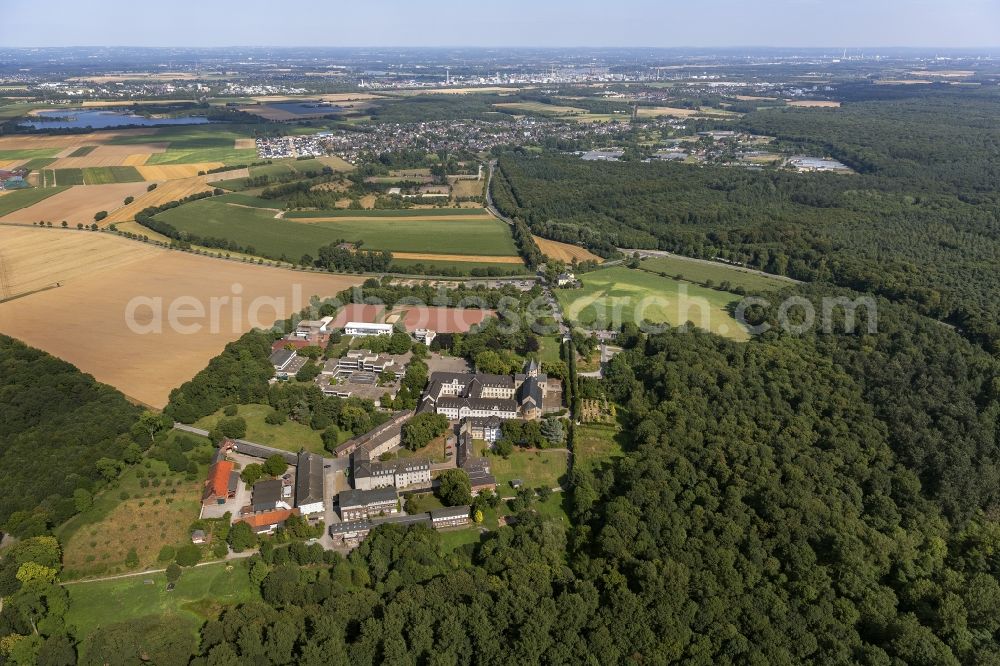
pixel 704 272
pixel 151 357
pixel 612 296
pixel 475 237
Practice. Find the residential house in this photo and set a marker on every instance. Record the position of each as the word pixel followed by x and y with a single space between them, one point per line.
pixel 268 521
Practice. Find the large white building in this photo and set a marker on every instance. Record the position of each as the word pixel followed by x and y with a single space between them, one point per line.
pixel 361 328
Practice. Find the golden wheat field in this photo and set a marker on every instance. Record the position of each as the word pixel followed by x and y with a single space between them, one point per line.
pixel 77 205
pixel 171 190
pixel 84 320
pixel 565 251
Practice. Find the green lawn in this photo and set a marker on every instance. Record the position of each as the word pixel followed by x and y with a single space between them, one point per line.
pixel 594 444
pixel 534 468
pixel 435 451
pixel 19 199
pixel 199 595
pixel 275 237
pixel 289 436
pixel 703 273
pixel 548 351
pixel 612 296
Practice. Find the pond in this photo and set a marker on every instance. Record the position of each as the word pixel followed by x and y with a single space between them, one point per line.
pixel 100 119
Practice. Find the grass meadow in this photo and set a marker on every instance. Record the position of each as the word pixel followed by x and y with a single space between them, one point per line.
pixel 705 273
pixel 149 507
pixel 615 295
pixel 200 595
pixel 289 436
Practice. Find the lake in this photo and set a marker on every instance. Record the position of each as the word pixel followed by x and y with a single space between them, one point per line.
pixel 100 119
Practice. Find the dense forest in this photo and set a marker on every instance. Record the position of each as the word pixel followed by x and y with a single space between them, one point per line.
pixel 60 430
pixel 782 501
pixel 919 224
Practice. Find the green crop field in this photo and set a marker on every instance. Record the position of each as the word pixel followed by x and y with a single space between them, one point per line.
pixel 258 228
pixel 195 143
pixel 405 212
pixel 91 176
pixel 23 198
pixel 108 175
pixel 82 151
pixel 27 153
pixel 612 296
pixel 472 236
pixel 707 272
pixel 197 596
pixel 37 163
pixel 62 177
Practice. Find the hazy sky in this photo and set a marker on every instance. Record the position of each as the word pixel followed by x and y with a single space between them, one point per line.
pixel 833 23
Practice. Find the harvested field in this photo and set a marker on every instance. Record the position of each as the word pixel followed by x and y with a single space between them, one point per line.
pixel 467 188
pixel 442 320
pixel 171 190
pixel 814 104
pixel 145 366
pixel 369 314
pixel 15 200
pixel 59 142
pixel 68 255
pixel 244 144
pixel 174 171
pixel 77 204
pixel 565 251
pixel 483 259
pixel 108 155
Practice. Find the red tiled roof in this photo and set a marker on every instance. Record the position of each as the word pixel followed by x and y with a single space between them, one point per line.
pixel 266 518
pixel 218 479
